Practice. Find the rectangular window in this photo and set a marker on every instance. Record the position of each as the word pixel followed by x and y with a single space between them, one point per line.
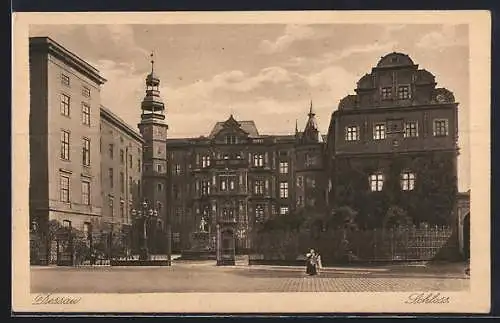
pixel 130 185
pixel 87 230
pixel 205 161
pixel 122 210
pixel 300 181
pixel 404 92
pixel 86 114
pixel 122 156
pixel 65 104
pixel 177 192
pixel 111 178
pixel 352 133
pixel 386 93
pixel 111 151
pixel 411 129
pixel 259 186
pixel 85 193
pixel 64 188
pixel 310 161
pixel 284 190
pixel 231 140
pixel 407 181
pixel 66 224
pixel 300 201
pixel 223 183
pixel 259 213
pixel 86 151
pixel 205 187
pixel 65 145
pixel 283 210
pixel 139 165
pixel 158 168
pixel 65 79
pixel 376 182
pixel 283 167
pixel 122 182
pixel 160 187
pixel 86 92
pixel 177 169
pixel 379 131
pixel 130 161
pixel 311 182
pixel 440 127
pixel 258 160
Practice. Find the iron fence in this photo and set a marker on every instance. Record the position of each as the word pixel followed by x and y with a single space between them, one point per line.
pixel 398 244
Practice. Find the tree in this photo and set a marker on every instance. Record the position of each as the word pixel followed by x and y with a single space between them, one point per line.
pixel 342 217
pixel 397 217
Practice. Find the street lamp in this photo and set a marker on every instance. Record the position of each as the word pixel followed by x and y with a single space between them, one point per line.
pixel 145 214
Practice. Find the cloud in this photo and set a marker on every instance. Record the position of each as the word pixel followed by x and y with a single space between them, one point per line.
pixel 371 49
pixel 448 36
pixel 123 90
pixel 293 33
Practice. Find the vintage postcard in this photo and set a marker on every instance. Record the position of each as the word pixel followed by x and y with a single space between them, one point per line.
pixel 256 162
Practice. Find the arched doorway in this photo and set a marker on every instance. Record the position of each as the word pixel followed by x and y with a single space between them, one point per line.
pixel 225 245
pixel 466 236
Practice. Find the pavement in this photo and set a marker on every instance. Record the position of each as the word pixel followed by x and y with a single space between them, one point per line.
pixel 205 276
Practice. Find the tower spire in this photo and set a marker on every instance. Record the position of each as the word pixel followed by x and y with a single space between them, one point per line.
pixel 152 105
pixel 296 126
pixel 152 55
pixel 311 113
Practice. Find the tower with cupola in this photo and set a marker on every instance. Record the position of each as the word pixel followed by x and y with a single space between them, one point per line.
pixel 153 128
pixel 309 165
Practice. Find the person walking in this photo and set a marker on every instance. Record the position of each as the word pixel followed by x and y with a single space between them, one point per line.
pixel 319 264
pixel 311 263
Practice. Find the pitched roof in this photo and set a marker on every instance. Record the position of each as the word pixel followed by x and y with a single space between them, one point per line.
pixel 247 126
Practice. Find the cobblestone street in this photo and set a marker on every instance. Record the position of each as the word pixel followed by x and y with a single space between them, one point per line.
pixel 206 277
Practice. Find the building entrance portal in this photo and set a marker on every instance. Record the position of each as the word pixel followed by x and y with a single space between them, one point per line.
pixel 225 245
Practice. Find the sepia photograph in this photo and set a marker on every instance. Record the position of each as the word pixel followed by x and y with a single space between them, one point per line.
pixel 224 161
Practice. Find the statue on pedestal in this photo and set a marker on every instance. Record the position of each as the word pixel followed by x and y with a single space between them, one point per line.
pixel 203 225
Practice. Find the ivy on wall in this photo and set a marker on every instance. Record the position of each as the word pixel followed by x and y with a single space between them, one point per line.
pixel 431 201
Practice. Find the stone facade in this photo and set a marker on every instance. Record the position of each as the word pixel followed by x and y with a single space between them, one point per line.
pixel 237 174
pixel 394 143
pixel 64 139
pixel 70 133
pixel 121 169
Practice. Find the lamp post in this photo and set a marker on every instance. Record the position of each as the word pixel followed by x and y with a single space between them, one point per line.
pixel 145 214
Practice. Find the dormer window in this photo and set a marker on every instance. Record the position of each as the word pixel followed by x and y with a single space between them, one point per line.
pixel 386 93
pixel 403 92
pixel 231 140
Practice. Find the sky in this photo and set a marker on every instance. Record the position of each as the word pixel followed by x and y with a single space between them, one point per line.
pixel 268 73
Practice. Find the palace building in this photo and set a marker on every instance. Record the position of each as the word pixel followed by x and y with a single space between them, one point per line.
pixel 394 144
pixel 237 175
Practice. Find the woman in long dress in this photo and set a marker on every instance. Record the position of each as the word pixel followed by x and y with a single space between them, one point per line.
pixel 311 263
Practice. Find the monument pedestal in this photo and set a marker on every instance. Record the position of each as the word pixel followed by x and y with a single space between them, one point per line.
pixel 200 248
